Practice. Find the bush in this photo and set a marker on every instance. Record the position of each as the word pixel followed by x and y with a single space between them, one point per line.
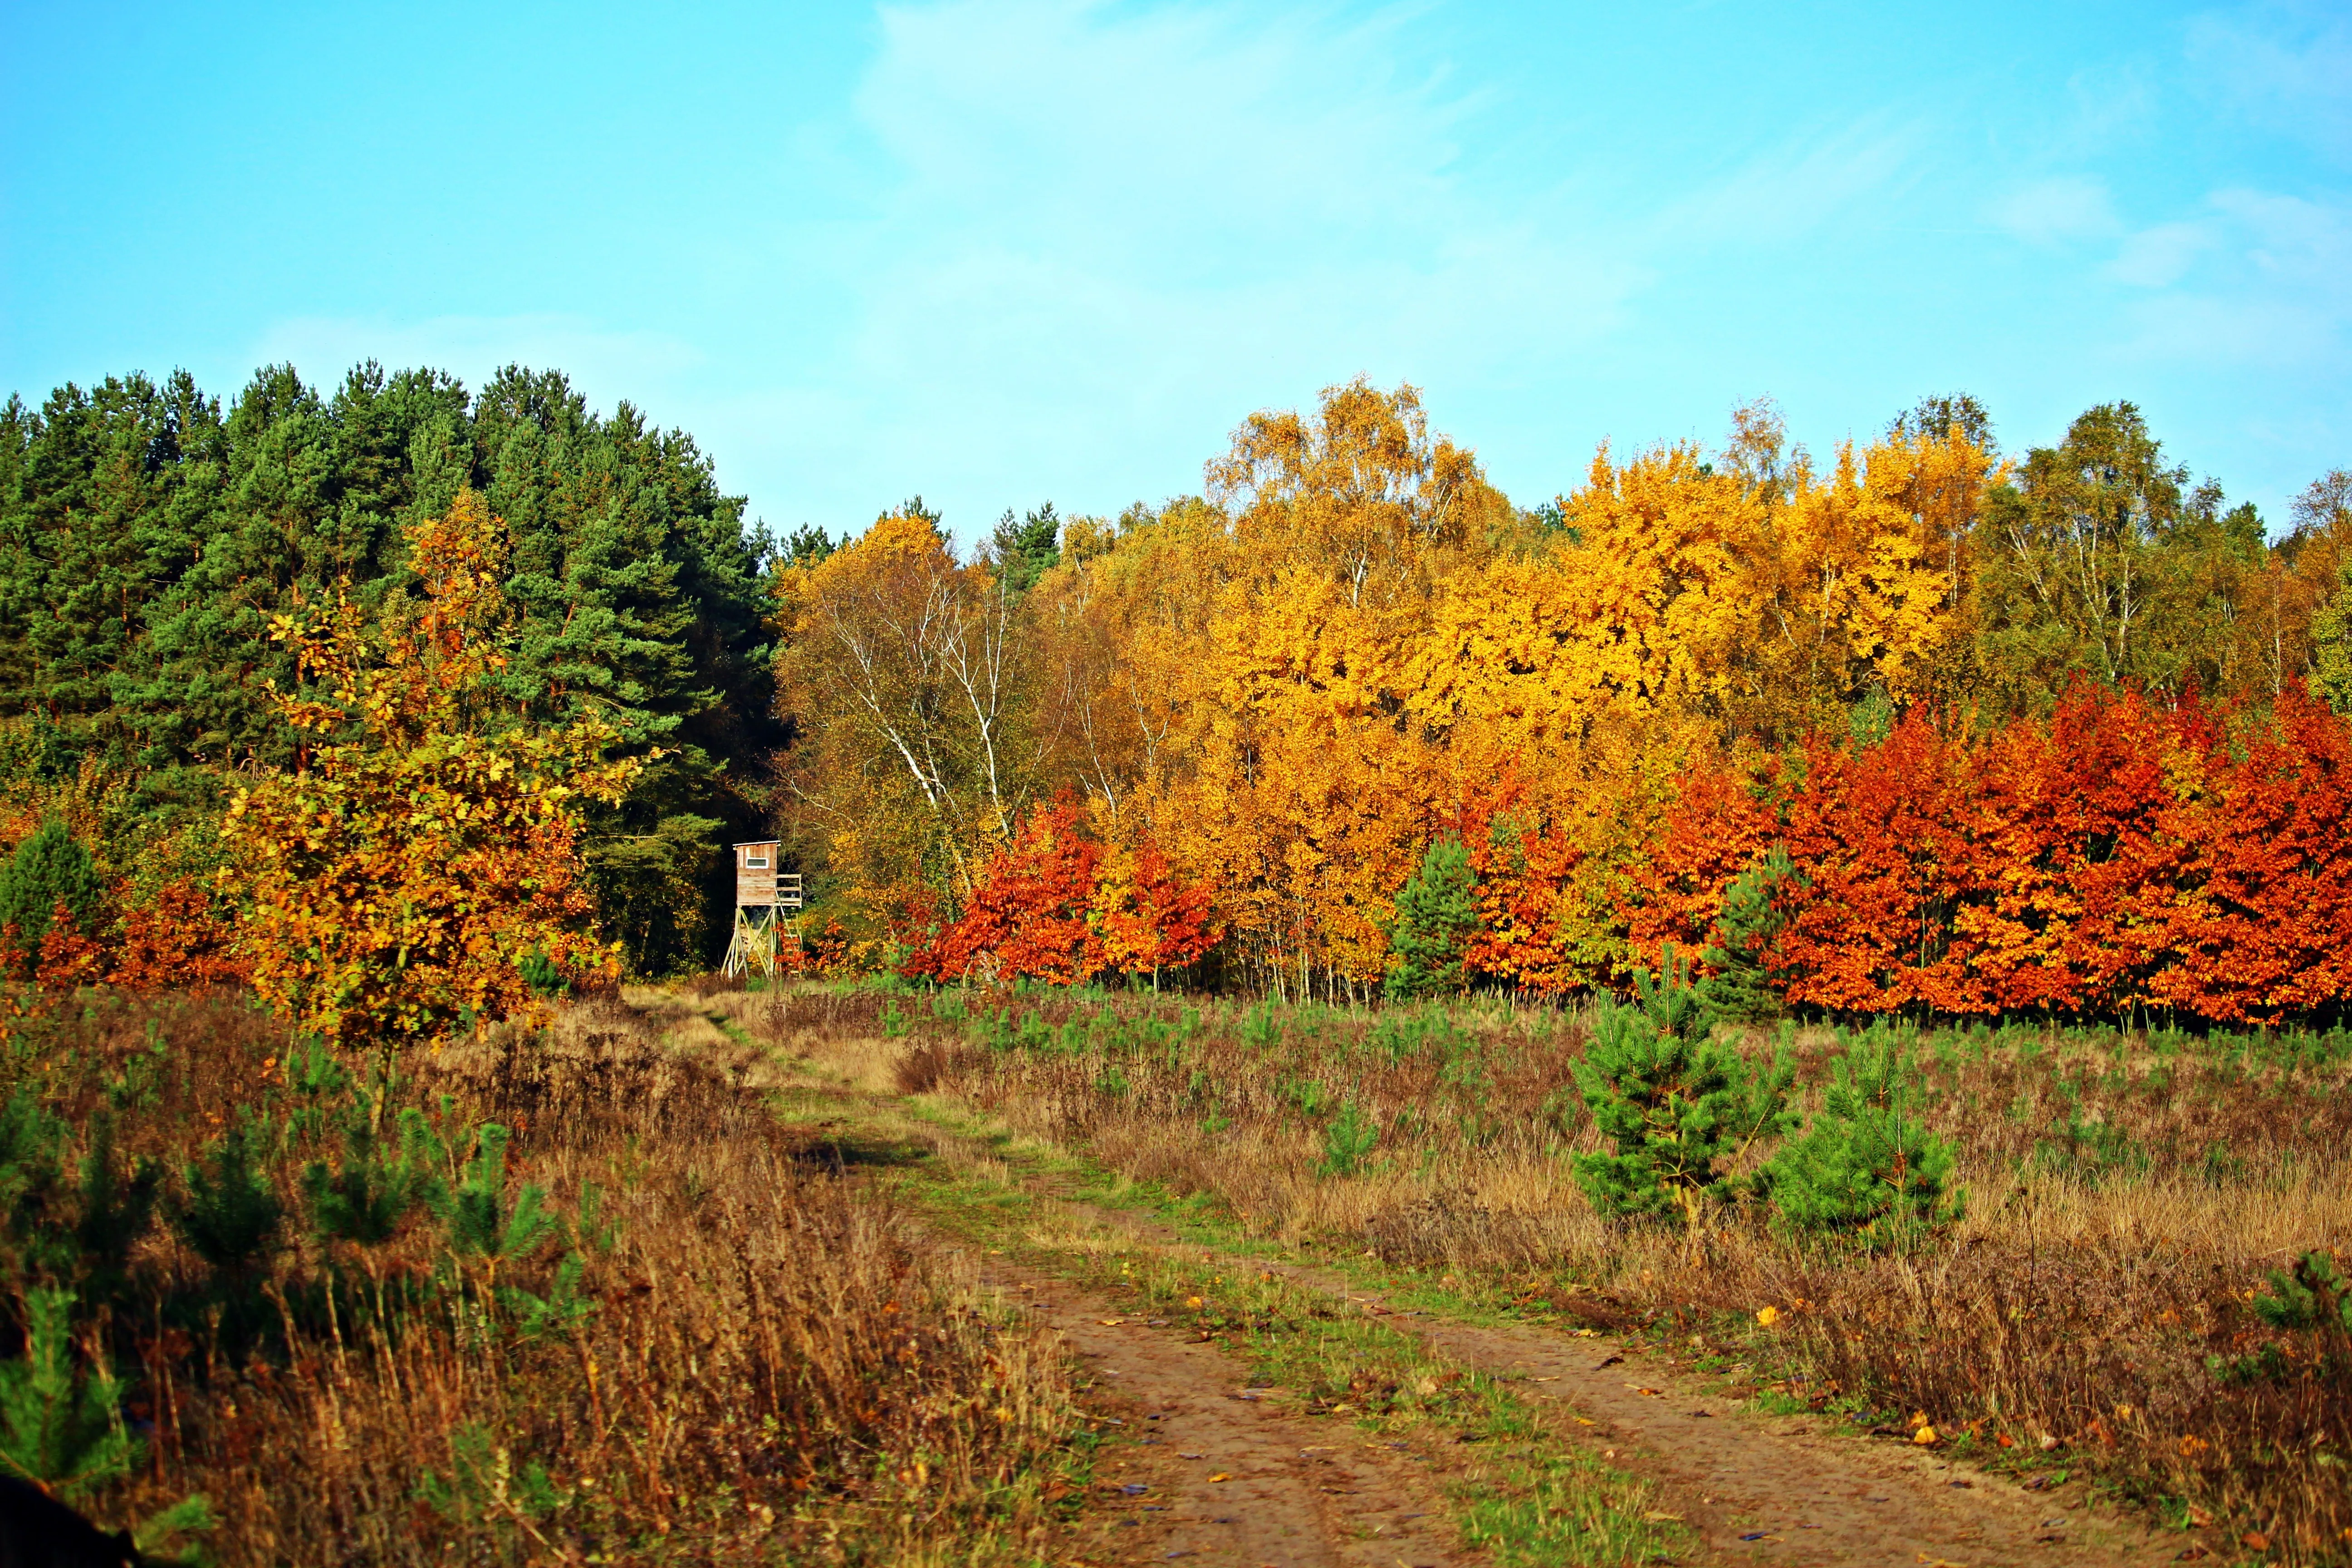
pixel 1864 1171
pixel 2312 1295
pixel 1675 1102
pixel 49 869
pixel 230 1217
pixel 58 1428
pixel 1350 1138
pixel 1436 911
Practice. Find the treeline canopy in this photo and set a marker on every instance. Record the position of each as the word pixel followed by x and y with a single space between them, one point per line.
pixel 147 536
pixel 1352 645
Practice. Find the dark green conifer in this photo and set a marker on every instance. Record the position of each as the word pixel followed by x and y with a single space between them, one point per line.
pixel 49 869
pixel 1437 911
pixel 1740 988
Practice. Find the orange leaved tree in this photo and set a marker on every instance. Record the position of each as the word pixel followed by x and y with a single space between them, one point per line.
pixel 1054 905
pixel 419 870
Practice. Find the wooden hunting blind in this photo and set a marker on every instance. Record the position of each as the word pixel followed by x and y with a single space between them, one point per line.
pixel 764 893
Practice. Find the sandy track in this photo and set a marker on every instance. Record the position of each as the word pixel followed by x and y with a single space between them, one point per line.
pixel 1299 1493
pixel 1754 1487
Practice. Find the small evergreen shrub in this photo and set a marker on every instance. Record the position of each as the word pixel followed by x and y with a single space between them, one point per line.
pixel 1437 911
pixel 366 1196
pixel 481 1222
pixel 1738 989
pixel 49 869
pixel 545 979
pixel 1347 1141
pixel 1677 1104
pixel 117 1206
pixel 231 1216
pixel 1864 1171
pixel 32 1182
pixel 59 1428
pixel 2311 1295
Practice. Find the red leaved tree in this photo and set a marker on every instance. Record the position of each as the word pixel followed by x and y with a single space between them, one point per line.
pixel 2264 926
pixel 1054 905
pixel 1721 823
pixel 1029 914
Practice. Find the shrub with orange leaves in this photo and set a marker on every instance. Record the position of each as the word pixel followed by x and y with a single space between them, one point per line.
pixel 1149 919
pixel 1719 824
pixel 2264 926
pixel 1028 915
pixel 178 938
pixel 1052 905
pixel 2123 854
pixel 429 840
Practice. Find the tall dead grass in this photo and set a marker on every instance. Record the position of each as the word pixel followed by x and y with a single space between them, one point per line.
pixel 2127 1197
pixel 764 1363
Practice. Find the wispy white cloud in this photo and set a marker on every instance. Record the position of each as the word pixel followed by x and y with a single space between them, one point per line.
pixel 2259 278
pixel 1788 191
pixel 2058 210
pixel 2158 255
pixel 2286 67
pixel 1110 230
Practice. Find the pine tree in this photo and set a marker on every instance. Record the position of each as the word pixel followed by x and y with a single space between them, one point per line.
pixel 1436 911
pixel 58 1427
pixel 1677 1104
pixel 1738 989
pixel 1865 1171
pixel 49 869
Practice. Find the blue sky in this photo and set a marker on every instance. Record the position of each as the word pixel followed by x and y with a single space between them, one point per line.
pixel 998 253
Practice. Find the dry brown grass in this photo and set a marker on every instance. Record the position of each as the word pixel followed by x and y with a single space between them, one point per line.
pixel 773 1366
pixel 2127 1198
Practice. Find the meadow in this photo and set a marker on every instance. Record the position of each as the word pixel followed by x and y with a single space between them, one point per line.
pixel 2096 1309
pixel 569 1297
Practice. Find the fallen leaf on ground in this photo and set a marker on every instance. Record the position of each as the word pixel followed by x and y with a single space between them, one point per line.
pixel 1220 1476
pixel 1660 1516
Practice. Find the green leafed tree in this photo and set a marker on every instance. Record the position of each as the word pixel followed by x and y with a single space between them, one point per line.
pixel 2331 645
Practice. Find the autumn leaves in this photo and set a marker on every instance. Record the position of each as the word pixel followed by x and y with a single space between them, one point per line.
pixel 2120 855
pixel 422 871
pixel 1353 646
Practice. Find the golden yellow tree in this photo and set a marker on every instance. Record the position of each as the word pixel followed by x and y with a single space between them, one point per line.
pixel 419 870
pixel 910 676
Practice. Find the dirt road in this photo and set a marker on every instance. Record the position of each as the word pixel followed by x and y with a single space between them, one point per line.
pixel 1750 1487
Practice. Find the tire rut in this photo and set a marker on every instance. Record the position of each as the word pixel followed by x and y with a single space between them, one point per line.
pixel 1753 1486
pixel 1225 1475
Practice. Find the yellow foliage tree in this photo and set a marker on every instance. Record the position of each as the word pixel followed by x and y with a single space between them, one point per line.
pixel 419 870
